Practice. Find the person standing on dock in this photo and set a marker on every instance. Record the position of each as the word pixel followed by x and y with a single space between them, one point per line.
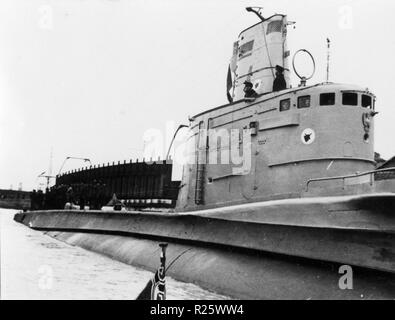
pixel 69 195
pixel 33 200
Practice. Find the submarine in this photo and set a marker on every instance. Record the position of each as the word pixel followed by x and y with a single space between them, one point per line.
pixel 280 192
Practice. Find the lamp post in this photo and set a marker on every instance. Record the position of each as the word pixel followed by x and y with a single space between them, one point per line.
pixel 75 158
pixel 48 177
pixel 172 140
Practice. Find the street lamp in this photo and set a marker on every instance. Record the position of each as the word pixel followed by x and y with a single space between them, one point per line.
pixel 172 140
pixel 75 158
pixel 44 175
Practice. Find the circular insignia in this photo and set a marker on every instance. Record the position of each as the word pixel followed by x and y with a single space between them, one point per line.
pixel 257 83
pixel 308 136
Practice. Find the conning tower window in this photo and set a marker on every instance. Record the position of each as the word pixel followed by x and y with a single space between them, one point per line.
pixel 350 99
pixel 245 50
pixel 327 99
pixel 367 101
pixel 274 26
pixel 304 102
pixel 285 104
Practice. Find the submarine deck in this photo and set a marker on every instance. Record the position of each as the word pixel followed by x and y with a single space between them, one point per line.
pixel 229 250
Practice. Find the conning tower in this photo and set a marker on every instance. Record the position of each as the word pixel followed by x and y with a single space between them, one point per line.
pixel 256 53
pixel 275 145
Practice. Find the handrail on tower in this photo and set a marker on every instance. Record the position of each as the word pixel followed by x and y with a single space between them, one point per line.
pixel 356 175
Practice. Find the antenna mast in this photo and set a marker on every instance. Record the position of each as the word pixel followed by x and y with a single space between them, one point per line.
pixel 49 176
pixel 328 58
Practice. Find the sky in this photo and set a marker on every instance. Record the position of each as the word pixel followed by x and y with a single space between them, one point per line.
pixel 90 78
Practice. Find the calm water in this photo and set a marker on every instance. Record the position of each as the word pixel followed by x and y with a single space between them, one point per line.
pixel 36 266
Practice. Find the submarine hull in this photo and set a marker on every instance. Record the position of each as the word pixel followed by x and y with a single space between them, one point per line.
pixel 270 245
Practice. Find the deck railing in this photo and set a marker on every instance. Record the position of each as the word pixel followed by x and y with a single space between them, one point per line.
pixel 356 175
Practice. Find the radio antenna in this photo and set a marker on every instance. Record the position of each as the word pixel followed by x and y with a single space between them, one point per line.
pixel 328 58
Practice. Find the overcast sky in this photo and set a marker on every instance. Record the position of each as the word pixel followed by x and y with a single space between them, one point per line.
pixel 88 78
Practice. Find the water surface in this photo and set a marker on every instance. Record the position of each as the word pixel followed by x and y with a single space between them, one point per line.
pixel 36 266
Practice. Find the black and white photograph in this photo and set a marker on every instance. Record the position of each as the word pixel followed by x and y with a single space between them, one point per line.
pixel 202 152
